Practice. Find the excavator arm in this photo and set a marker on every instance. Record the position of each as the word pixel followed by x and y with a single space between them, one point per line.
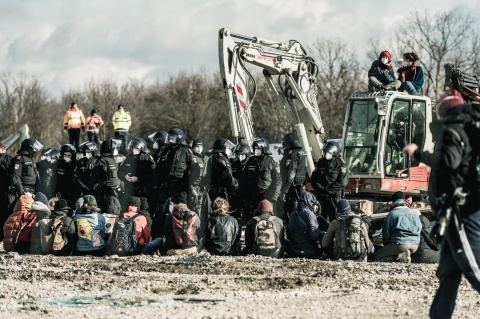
pixel 295 88
pixel 18 136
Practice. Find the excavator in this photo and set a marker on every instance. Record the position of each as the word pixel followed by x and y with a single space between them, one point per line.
pixel 18 136
pixel 373 135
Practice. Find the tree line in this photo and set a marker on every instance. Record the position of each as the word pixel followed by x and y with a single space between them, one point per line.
pixel 195 102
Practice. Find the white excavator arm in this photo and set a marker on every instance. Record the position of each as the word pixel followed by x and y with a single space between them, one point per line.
pixel 297 94
pixel 18 136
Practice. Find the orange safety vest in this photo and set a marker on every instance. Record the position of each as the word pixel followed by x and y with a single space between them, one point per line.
pixel 74 119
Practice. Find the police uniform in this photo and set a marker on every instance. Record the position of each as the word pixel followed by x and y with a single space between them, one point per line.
pixel 24 173
pixel 197 182
pixel 47 180
pixel 65 186
pixel 142 166
pixel 220 180
pixel 90 175
pixel 329 181
pixel 293 169
pixel 236 202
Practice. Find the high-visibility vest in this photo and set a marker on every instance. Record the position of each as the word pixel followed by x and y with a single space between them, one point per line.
pixel 121 121
pixel 74 118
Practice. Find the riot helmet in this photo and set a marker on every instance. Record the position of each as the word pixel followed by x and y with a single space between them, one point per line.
pixel 330 149
pixel 68 148
pixel 31 146
pixel 110 147
pixel 44 152
pixel 242 152
pixel 260 146
pixel 159 139
pixel 197 146
pixel 88 149
pixel 222 145
pixel 176 136
pixel 137 146
pixel 53 155
pixel 291 140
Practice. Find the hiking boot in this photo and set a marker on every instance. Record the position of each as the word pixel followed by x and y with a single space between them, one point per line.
pixel 404 257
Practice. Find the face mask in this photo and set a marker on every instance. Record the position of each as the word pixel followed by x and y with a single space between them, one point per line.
pixel 198 149
pixel 155 146
pixel 67 159
pixel 242 157
pixel 384 60
pixel 136 151
pixel 118 159
pixel 404 63
pixel 228 152
pixel 328 156
pixel 88 155
pixel 258 152
pixel 115 152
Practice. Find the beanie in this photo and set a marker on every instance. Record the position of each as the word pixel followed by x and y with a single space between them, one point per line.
pixel 61 204
pixel 397 195
pixel 197 141
pixel 180 198
pixel 134 201
pixel 93 112
pixel 40 197
pixel 386 54
pixel 449 100
pixel 343 207
pixel 265 206
pixel 89 199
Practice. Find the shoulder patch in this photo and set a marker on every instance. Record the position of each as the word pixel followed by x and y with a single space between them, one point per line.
pixel 18 157
pixel 190 151
pixel 17 166
pixel 344 170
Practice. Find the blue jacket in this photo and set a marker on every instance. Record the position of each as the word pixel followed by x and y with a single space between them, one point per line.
pixel 418 80
pixel 402 226
pixel 90 231
pixel 303 227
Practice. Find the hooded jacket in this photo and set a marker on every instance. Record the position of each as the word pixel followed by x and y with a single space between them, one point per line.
pixel 41 211
pixel 303 227
pixel 14 221
pixel 90 230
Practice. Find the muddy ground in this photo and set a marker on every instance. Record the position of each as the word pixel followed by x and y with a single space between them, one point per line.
pixel 205 286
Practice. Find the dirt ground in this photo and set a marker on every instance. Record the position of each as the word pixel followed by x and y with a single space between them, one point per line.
pixel 204 286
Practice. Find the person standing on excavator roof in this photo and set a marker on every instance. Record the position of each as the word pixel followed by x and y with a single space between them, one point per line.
pixel 381 75
pixel 73 121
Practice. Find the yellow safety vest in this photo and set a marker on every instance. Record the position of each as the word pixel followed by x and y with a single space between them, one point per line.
pixel 74 118
pixel 121 121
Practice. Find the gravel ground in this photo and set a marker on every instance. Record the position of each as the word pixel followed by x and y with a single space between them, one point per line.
pixel 204 286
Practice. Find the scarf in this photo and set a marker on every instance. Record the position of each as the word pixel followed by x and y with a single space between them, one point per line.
pixel 399 202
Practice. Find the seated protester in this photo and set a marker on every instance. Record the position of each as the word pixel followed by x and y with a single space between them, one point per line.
pixel 381 75
pixel 427 251
pixel 411 74
pixel 223 231
pixel 265 233
pixel 401 233
pixel 90 228
pixel 141 226
pixel 62 211
pixel 42 210
pixel 304 233
pixel 144 211
pixel 180 240
pixel 15 222
pixel 347 228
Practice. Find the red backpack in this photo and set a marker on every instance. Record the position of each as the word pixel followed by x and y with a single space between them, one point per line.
pixel 183 225
pixel 22 238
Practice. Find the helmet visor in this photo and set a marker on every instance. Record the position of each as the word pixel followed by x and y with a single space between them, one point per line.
pixel 37 146
pixel 229 145
pixel 151 137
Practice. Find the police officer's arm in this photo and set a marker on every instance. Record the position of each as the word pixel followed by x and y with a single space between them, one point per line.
pixel 450 159
pixel 122 170
pixel 78 182
pixel 290 173
pixel 102 181
pixel 16 174
pixel 226 174
pixel 276 181
pixel 146 177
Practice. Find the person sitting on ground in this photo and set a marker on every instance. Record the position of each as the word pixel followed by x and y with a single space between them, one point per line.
pixel 381 75
pixel 62 211
pixel 304 233
pixel 411 74
pixel 223 231
pixel 42 210
pixel 141 225
pixel 90 228
pixel 14 223
pixel 401 233
pixel 180 239
pixel 265 233
pixel 347 225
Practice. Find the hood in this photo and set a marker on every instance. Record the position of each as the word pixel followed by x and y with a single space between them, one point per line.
pixel 307 200
pixel 23 204
pixel 39 207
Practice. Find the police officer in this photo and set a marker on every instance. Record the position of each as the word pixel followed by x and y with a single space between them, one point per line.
pixel 5 183
pixel 220 181
pixel 47 171
pixel 90 174
pixel 261 178
pixel 24 171
pixel 197 177
pixel 113 186
pixel 65 168
pixel 330 178
pixel 242 154
pixel 160 141
pixel 293 169
pixel 136 172
pixel 454 180
pixel 172 171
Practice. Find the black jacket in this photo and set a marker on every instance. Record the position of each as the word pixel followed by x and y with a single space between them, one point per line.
pixel 47 181
pixel 219 179
pixel 173 167
pixel 293 169
pixel 223 235
pixel 90 174
pixel 24 171
pixel 5 180
pixel 329 177
pixel 377 70
pixel 261 179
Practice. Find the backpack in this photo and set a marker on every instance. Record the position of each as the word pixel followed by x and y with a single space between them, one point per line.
pixel 21 241
pixel 123 240
pixel 265 236
pixel 51 237
pixel 351 244
pixel 183 225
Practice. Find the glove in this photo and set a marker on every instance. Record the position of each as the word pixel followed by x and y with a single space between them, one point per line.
pixel 83 128
pixel 65 127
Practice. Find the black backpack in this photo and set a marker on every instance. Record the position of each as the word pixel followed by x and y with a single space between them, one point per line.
pixel 123 241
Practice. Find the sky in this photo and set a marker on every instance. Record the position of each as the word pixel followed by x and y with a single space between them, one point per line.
pixel 65 43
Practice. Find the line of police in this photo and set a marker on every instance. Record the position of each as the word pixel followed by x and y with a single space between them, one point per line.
pixel 243 174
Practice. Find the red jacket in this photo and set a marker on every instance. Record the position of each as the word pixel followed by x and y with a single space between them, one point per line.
pixel 143 231
pixel 13 223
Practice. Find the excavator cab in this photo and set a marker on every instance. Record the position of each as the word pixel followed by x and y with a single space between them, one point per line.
pixel 377 127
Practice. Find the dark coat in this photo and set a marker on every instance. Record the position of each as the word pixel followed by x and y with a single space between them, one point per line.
pixel 223 235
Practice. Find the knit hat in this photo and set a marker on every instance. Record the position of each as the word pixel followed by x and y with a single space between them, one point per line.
pixel 93 112
pixel 180 198
pixel 60 204
pixel 343 208
pixel 40 197
pixel 265 206
pixel 397 195
pixel 89 199
pixel 385 53
pixel 134 201
pixel 449 100
pixel 144 203
pixel 399 202
pixel 197 141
